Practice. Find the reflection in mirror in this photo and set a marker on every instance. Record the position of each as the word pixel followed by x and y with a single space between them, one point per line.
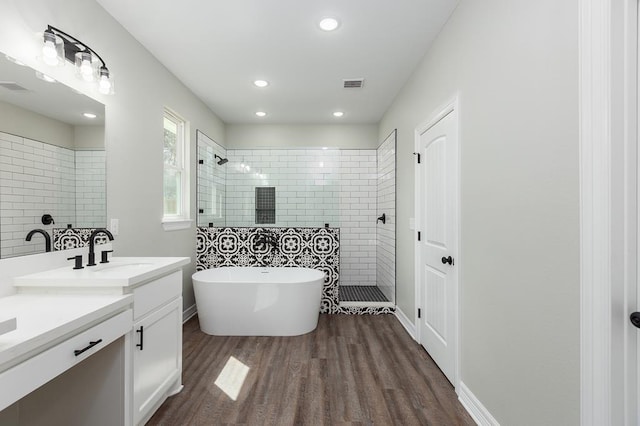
pixel 52 159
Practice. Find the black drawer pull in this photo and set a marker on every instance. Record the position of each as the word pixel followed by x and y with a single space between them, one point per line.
pixel 141 331
pixel 91 344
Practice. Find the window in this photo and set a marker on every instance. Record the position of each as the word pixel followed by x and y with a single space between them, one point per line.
pixel 176 179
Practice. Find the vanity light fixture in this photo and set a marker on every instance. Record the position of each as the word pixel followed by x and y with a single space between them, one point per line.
pixel 261 83
pixel 261 113
pixel 89 115
pixel 329 24
pixel 338 114
pixel 59 46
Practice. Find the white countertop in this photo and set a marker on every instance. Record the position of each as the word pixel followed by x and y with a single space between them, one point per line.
pixel 45 319
pixel 119 272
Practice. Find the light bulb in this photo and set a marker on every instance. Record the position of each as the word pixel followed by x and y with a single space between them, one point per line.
pixel 52 49
pixel 49 49
pixel 86 70
pixel 105 85
pixel 49 54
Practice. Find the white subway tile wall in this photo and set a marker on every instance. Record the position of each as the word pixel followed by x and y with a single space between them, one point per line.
pixel 211 182
pixel 314 187
pixel 91 201
pixel 306 183
pixel 386 235
pixel 35 179
pixel 357 177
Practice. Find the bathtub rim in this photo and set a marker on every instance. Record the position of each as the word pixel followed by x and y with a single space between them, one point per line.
pixel 300 281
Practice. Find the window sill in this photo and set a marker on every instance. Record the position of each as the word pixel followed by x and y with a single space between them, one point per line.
pixel 176 225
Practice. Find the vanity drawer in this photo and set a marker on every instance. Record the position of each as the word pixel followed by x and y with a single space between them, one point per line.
pixel 29 375
pixel 156 293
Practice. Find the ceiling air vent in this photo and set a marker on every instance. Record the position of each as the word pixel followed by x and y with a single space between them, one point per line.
pixel 11 85
pixel 353 83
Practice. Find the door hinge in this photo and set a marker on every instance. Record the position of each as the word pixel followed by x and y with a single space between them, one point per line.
pixel 419 235
pixel 417 154
pixel 419 313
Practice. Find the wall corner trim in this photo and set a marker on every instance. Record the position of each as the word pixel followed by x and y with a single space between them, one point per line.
pixel 188 313
pixel 406 323
pixel 474 407
pixel 596 144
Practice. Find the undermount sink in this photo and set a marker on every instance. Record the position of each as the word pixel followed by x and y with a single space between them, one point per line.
pixel 119 272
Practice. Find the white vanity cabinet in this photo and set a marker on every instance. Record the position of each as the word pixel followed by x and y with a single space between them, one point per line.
pixel 157 344
pixel 153 364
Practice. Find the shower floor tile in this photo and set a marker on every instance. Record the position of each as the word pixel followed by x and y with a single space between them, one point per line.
pixel 361 293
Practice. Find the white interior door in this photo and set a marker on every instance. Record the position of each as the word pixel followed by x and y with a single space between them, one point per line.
pixel 437 246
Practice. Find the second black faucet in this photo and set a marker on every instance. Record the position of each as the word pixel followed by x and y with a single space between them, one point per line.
pixel 92 243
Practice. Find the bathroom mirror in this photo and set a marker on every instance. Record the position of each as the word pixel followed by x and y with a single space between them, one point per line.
pixel 52 159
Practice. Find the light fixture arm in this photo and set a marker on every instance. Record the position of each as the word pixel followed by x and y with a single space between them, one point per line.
pixel 72 45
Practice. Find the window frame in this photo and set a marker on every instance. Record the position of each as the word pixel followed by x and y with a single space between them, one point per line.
pixel 181 219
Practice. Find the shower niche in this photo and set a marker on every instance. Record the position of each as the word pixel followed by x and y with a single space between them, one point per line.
pixel 349 189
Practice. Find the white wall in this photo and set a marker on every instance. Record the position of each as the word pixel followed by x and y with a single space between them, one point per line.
pixel 133 130
pixel 345 136
pixel 514 64
pixel 21 122
pixel 88 137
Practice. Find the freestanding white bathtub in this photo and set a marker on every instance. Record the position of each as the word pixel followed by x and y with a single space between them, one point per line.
pixel 245 301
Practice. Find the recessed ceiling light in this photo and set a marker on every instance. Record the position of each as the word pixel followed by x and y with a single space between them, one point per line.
pixel 329 24
pixel 261 83
pixel 261 113
pixel 338 114
pixel 89 115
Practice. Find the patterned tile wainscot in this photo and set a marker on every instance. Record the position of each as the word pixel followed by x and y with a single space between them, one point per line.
pixel 70 238
pixel 317 248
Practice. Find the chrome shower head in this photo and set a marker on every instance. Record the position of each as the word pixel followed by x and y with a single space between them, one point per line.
pixel 222 160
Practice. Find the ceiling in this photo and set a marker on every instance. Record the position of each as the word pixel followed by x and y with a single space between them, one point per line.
pixel 218 48
pixel 52 100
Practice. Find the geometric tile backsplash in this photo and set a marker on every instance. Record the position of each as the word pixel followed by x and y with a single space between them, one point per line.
pixel 70 238
pixel 316 248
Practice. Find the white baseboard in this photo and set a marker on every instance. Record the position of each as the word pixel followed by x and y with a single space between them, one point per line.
pixel 474 407
pixel 406 323
pixel 189 312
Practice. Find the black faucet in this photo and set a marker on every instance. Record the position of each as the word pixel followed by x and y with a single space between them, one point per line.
pixel 45 234
pixel 92 243
pixel 266 238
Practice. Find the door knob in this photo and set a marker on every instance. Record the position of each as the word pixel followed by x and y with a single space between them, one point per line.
pixel 635 319
pixel 449 260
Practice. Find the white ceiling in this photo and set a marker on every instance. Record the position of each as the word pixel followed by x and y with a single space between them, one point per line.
pixel 219 47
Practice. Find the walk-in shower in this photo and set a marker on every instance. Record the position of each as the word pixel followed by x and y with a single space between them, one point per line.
pixel 349 189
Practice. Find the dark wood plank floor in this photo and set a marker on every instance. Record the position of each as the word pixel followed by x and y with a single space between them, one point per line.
pixel 353 369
